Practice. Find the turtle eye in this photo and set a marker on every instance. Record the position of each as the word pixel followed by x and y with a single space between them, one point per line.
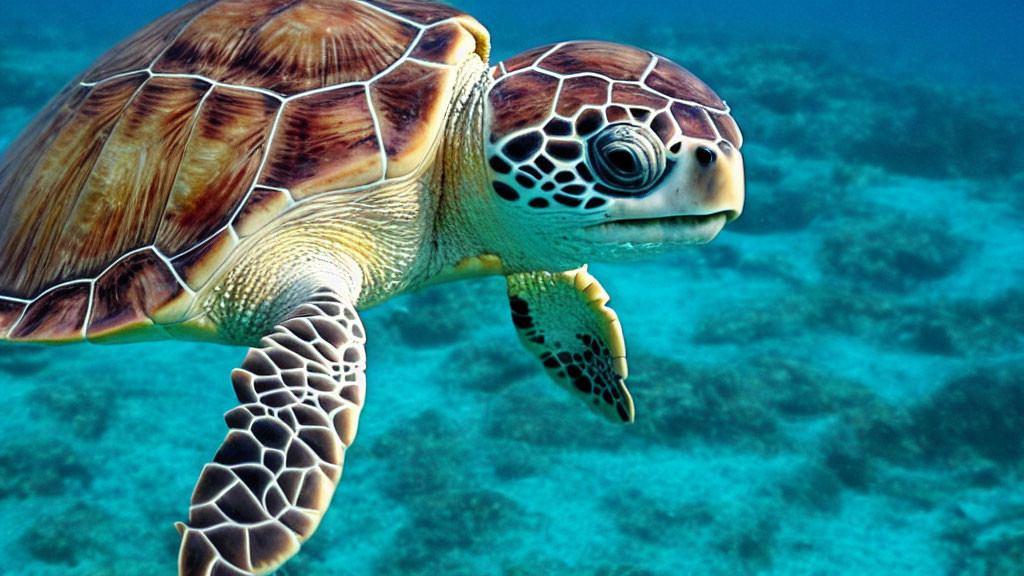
pixel 629 159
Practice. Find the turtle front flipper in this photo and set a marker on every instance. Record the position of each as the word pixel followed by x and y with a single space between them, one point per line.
pixel 271 481
pixel 562 319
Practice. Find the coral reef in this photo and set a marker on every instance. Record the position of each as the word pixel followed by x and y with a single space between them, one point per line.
pixel 892 253
pixel 970 424
pixel 749 539
pixel 554 420
pixel 814 487
pixel 740 539
pixel 925 130
pixel 491 366
pixel 974 415
pixel 85 406
pixel 32 465
pixel 656 522
pixel 746 406
pixel 680 404
pixel 423 456
pixel 944 327
pixel 446 530
pixel 67 536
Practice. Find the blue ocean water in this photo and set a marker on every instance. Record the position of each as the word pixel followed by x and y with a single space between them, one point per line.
pixel 834 386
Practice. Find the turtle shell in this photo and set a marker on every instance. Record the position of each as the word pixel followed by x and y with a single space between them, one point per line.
pixel 122 198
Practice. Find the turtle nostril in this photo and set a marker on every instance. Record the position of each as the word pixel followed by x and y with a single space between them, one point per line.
pixel 705 156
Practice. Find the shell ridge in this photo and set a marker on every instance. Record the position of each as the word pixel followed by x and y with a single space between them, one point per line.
pixel 714 126
pixel 117 76
pixel 378 135
pixel 650 68
pixel 429 64
pixel 212 82
pixel 89 309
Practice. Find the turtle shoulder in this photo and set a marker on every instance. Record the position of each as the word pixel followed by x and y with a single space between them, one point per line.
pixel 134 186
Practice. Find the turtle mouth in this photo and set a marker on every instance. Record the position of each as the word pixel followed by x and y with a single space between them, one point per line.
pixel 685 229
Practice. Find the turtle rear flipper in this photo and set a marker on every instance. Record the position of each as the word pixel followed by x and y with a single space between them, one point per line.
pixel 274 476
pixel 562 319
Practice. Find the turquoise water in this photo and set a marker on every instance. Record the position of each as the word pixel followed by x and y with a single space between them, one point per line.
pixel 834 386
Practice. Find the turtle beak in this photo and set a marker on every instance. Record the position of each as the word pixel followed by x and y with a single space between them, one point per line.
pixel 703 192
pixel 720 178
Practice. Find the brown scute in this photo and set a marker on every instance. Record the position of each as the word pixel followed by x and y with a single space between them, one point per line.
pixel 288 48
pixel 526 59
pixel 579 92
pixel 196 266
pixel 617 114
pixel 119 207
pixel 141 49
pixel 615 61
pixel 444 44
pixel 664 127
pixel 40 179
pixel 520 101
pixel 220 164
pixel 728 129
pixel 56 316
pixel 10 311
pixel 676 82
pixel 130 293
pixel 325 141
pixel 629 95
pixel 260 208
pixel 410 103
pixel 693 121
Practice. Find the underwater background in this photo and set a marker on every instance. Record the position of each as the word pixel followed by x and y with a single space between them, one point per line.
pixel 834 386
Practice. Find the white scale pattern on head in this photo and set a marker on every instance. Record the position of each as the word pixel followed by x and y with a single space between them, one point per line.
pixel 148 70
pixel 535 67
pixel 495 149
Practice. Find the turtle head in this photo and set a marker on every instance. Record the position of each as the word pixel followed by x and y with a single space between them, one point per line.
pixel 608 150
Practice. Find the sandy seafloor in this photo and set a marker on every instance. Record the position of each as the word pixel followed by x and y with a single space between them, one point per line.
pixel 834 386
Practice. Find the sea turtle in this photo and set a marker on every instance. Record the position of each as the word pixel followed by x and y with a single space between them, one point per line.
pixel 253 172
